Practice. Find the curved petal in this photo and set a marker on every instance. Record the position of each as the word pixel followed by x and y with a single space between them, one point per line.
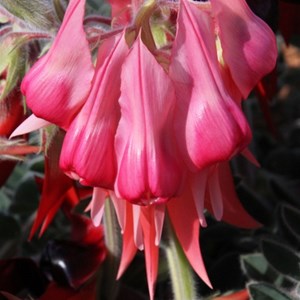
pixel 32 123
pixel 248 44
pixel 151 249
pixel 208 119
pixel 88 149
pixel 180 209
pixel 55 187
pixel 57 84
pixel 146 152
pixel 129 248
pixel 234 213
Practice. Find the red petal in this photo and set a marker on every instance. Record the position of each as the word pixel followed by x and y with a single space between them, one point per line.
pixel 129 248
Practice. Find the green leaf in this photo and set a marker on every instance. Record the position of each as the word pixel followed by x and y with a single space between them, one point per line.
pixel 256 267
pixel 4 201
pixel 12 61
pixel 264 291
pixel 26 197
pixel 282 258
pixel 289 221
pixel 36 12
pixel 9 228
pixel 108 287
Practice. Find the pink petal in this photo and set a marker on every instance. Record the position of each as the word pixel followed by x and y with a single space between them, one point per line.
pixel 97 205
pixel 32 123
pixel 159 217
pixel 88 148
pixel 56 86
pixel 129 248
pixel 249 155
pixel 215 193
pixel 120 209
pixel 234 212
pixel 137 230
pixel 198 187
pixel 248 44
pixel 120 12
pixel 145 147
pixel 180 209
pixel 208 119
pixel 151 249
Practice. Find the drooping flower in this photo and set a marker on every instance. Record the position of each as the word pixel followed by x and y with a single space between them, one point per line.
pixel 211 126
pixel 145 146
pixel 245 39
pixel 57 84
pixel 155 125
pixel 97 121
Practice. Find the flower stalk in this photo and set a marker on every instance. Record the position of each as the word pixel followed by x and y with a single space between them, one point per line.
pixel 107 287
pixel 181 274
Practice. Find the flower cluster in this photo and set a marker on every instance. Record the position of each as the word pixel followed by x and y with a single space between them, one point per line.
pixel 155 115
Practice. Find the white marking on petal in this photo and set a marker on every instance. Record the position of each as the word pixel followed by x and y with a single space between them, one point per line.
pixel 159 216
pixel 97 205
pixel 120 209
pixel 137 230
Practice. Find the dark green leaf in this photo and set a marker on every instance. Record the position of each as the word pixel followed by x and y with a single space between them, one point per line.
pixel 264 291
pixel 281 258
pixel 9 228
pixel 289 221
pixel 256 267
pixel 261 209
pixel 26 197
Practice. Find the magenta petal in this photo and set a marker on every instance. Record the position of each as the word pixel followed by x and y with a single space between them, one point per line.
pixel 248 44
pixel 208 119
pixel 56 86
pixel 145 147
pixel 88 148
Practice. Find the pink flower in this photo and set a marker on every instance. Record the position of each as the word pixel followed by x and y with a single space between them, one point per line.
pixel 209 121
pixel 245 39
pixel 56 86
pixel 159 119
pixel 88 149
pixel 148 167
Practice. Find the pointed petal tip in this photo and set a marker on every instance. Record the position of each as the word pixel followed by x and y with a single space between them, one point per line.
pixel 203 222
pixel 32 123
pixel 249 155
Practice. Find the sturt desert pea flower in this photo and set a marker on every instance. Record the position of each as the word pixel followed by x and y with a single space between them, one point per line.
pixel 175 93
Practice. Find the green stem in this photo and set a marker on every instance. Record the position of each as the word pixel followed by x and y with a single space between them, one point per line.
pixel 108 286
pixel 182 277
